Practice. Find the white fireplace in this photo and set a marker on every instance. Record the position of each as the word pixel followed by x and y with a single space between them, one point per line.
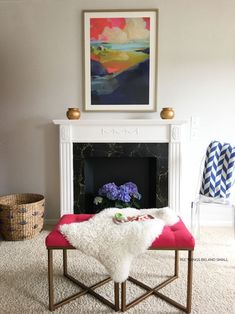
pixel 120 131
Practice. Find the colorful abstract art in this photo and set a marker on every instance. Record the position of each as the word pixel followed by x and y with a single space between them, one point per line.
pixel 120 56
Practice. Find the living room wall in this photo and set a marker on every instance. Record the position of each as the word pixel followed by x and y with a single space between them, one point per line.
pixel 41 75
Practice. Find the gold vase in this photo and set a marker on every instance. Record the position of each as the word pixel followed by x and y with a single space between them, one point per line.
pixel 167 113
pixel 73 113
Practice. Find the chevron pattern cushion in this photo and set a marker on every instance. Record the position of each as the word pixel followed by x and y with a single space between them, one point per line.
pixel 218 174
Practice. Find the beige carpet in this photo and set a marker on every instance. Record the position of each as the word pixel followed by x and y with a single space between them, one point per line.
pixel 23 277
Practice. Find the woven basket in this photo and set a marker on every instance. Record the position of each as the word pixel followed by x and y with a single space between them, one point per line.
pixel 21 216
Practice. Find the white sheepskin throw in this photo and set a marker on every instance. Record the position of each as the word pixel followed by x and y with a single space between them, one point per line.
pixel 115 245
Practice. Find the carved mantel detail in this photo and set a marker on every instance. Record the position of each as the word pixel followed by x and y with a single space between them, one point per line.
pixel 175 133
pixel 65 133
pixel 120 131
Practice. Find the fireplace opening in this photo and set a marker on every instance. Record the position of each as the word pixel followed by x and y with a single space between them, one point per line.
pixel 141 171
pixel 95 164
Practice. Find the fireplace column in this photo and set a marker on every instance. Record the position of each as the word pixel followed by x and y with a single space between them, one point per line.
pixel 175 165
pixel 66 170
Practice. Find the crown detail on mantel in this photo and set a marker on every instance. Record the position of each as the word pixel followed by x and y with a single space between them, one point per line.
pixel 120 131
pixel 64 134
pixel 175 133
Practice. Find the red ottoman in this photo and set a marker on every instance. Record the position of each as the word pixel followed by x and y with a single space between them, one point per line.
pixel 176 238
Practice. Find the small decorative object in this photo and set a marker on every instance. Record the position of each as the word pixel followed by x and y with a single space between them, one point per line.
pixel 21 216
pixel 167 113
pixel 111 195
pixel 73 113
pixel 120 218
pixel 120 55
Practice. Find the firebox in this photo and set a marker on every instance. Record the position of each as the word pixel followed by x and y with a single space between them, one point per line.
pixel 95 164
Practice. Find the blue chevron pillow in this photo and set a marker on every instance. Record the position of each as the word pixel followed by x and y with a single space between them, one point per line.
pixel 218 174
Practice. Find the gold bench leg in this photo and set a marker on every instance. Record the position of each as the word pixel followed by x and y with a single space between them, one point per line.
pixel 189 282
pixel 124 305
pixel 177 263
pixel 155 290
pixel 85 289
pixel 65 267
pixel 123 297
pixel 116 296
pixel 50 280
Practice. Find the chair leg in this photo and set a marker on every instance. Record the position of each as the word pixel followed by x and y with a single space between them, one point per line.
pixel 234 219
pixel 192 217
pixel 195 219
pixel 198 222
pixel 50 280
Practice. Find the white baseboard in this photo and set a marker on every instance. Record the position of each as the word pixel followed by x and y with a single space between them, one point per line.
pixel 51 221
pixel 207 223
pixel 217 224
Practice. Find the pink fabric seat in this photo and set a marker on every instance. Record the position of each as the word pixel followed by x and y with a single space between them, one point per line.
pixel 172 238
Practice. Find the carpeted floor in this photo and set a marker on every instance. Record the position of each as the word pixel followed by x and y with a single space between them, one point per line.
pixel 23 277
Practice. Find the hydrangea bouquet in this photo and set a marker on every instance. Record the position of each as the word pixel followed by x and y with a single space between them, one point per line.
pixel 111 195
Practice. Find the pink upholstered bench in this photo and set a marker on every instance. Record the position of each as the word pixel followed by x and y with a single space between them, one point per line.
pixel 176 238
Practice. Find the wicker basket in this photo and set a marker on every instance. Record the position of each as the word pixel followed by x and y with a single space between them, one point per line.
pixel 21 216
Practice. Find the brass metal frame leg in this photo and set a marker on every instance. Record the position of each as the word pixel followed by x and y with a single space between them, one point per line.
pixel 177 263
pixel 187 308
pixel 116 296
pixel 85 289
pixel 124 305
pixel 65 262
pixel 123 296
pixel 50 280
pixel 155 290
pixel 189 282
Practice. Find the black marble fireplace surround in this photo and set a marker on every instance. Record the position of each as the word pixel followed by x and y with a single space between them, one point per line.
pixel 95 164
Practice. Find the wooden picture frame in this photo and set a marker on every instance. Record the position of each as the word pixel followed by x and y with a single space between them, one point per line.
pixel 120 60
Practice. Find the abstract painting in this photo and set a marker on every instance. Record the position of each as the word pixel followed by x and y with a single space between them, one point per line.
pixel 120 60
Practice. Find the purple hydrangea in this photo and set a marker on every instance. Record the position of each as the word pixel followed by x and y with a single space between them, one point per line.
pixel 110 190
pixel 119 196
pixel 124 194
pixel 132 188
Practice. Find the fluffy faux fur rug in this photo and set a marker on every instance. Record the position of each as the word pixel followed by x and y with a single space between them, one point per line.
pixel 114 245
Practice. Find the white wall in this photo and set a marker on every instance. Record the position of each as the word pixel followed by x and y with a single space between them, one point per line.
pixel 41 75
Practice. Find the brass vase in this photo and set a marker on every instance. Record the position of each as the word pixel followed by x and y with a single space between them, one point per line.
pixel 167 113
pixel 73 113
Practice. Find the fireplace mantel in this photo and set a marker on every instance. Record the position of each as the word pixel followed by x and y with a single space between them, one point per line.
pixel 120 131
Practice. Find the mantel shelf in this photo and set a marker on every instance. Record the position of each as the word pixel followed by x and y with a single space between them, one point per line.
pixel 127 122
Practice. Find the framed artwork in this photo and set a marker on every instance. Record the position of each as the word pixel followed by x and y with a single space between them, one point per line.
pixel 120 56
